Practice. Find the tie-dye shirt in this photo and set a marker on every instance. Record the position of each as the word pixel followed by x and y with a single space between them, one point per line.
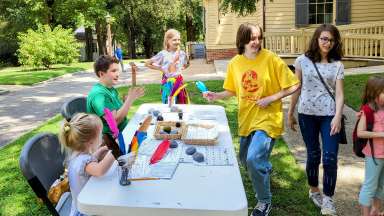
pixel 164 59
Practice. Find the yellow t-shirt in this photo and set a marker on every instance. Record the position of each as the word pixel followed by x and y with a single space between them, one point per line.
pixel 251 80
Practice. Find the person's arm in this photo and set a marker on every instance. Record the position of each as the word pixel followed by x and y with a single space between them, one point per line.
pixel 264 102
pixel 212 96
pixel 362 129
pixel 149 64
pixel 100 168
pixel 339 100
pixel 294 98
pixel 101 152
pixel 132 95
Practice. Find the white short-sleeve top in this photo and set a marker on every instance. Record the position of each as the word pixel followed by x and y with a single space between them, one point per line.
pixel 314 98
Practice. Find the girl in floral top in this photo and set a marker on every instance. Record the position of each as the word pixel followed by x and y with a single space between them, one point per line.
pixel 170 62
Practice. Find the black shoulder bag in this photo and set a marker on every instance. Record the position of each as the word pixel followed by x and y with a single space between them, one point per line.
pixel 342 134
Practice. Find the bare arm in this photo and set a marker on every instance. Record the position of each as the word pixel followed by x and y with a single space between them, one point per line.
pixel 296 94
pixel 292 106
pixel 362 129
pixel 133 94
pixel 149 64
pixel 339 100
pixel 212 96
pixel 264 102
pixel 100 168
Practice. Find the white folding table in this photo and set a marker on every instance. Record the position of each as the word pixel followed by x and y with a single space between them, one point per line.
pixel 193 190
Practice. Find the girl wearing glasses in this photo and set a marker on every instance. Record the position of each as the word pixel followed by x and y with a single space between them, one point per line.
pixel 319 112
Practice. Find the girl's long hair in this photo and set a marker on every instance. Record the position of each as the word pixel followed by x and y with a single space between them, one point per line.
pixel 335 54
pixel 373 88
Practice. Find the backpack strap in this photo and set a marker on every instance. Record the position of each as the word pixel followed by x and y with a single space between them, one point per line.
pixel 369 115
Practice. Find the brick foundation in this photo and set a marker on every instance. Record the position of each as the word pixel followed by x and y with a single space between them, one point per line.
pixel 215 54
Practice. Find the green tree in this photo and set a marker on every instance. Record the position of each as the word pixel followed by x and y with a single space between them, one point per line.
pixel 241 7
pixel 45 47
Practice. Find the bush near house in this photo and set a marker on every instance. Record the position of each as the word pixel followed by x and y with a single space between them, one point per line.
pixel 45 47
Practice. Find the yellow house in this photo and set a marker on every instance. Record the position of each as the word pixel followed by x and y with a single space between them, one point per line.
pixel 288 25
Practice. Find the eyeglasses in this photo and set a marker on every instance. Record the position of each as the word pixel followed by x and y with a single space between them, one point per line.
pixel 326 40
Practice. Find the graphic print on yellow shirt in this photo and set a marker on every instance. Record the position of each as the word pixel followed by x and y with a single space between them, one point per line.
pixel 252 80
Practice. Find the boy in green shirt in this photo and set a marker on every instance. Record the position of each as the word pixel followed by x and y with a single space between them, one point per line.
pixel 104 95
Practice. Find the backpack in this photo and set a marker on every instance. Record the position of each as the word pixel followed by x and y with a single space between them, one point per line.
pixel 360 143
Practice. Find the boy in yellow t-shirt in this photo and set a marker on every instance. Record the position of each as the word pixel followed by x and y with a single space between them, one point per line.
pixel 259 79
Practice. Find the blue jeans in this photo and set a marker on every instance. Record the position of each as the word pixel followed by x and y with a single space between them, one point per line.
pixel 311 126
pixel 373 186
pixel 255 150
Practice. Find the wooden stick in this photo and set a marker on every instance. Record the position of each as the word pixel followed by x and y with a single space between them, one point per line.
pixel 144 178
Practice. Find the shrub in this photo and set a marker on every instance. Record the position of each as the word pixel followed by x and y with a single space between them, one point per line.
pixel 45 47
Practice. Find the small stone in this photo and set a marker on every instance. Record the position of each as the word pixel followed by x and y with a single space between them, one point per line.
pixel 198 157
pixel 174 144
pixel 180 114
pixel 167 129
pixel 190 150
pixel 156 113
pixel 150 111
pixel 174 109
pixel 160 118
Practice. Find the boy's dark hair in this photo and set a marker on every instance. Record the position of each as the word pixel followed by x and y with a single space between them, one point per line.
pixel 103 62
pixel 372 90
pixel 335 54
pixel 244 34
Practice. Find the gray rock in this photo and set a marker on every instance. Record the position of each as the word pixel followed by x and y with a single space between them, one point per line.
pixel 190 150
pixel 198 157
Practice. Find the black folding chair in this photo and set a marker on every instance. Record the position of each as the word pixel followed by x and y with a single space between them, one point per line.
pixel 75 105
pixel 41 162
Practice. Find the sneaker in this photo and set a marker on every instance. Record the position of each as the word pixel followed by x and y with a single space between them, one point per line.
pixel 328 207
pixel 316 198
pixel 261 209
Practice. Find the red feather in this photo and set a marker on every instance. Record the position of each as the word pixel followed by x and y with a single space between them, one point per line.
pixel 160 152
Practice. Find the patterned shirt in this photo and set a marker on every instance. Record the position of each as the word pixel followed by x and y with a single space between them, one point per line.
pixel 164 58
pixel 314 98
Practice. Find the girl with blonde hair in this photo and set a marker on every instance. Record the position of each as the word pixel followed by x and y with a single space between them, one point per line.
pixel 170 61
pixel 82 136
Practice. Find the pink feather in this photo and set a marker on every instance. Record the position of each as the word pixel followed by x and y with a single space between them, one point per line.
pixel 111 122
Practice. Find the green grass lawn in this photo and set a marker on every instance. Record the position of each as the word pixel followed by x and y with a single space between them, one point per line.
pixel 29 76
pixel 353 88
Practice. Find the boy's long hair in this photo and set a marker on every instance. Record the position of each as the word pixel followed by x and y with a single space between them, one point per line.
pixel 244 34
pixel 103 62
pixel 372 90
pixel 78 132
pixel 335 54
pixel 170 33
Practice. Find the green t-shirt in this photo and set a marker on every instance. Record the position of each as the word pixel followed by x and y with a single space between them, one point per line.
pixel 101 97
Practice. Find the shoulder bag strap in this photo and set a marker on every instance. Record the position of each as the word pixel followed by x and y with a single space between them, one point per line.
pixel 322 81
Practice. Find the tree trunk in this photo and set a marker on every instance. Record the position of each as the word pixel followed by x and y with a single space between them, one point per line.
pixel 101 38
pixel 132 42
pixel 88 44
pixel 191 29
pixel 148 45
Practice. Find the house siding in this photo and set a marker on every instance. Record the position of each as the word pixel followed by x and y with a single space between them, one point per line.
pixel 367 11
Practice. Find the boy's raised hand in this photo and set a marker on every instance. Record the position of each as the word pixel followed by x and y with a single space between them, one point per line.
pixel 134 93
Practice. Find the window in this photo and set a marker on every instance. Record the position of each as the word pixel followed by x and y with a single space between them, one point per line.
pixel 320 11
